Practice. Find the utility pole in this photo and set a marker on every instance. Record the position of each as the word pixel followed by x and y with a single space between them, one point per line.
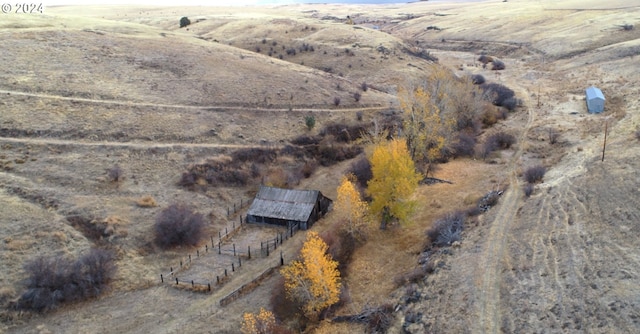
pixel 606 130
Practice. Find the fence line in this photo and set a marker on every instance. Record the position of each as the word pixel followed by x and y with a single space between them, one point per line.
pixel 224 272
pixel 248 287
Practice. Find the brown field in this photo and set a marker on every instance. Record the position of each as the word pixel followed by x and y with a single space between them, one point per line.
pixel 86 89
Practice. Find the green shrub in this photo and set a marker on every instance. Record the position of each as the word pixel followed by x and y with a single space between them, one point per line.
pixel 184 21
pixel 310 122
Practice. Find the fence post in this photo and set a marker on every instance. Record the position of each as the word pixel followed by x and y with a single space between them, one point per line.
pixel 234 249
pixel 189 258
pixel 233 226
pixel 249 251
pixel 206 248
pixel 267 249
pixel 275 243
pixel 212 244
pixel 161 279
pixel 208 286
pixel 233 268
pixel 225 272
pixel 219 235
pixel 234 207
pixel 228 212
pixel 197 253
pixel 180 263
pixel 217 279
pixel 239 262
pixel 176 281
pixel 171 268
pixel 192 283
pixel 219 247
pixel 281 259
pixel 226 232
pixel 240 220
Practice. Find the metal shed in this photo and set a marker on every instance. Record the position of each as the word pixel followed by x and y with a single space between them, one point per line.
pixel 595 100
pixel 288 207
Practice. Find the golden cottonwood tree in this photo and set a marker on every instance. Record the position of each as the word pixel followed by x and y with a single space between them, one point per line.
pixel 394 181
pixel 351 208
pixel 435 110
pixel 262 323
pixel 314 280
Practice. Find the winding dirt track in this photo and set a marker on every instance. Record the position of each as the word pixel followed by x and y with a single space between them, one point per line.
pixel 182 106
pixel 489 313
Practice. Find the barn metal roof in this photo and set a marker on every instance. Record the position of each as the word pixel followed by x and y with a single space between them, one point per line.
pixel 286 204
pixel 593 92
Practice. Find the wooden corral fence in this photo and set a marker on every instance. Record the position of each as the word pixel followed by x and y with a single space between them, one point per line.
pixel 248 287
pixel 222 246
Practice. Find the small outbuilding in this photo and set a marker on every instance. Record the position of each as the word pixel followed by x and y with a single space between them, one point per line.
pixel 288 207
pixel 595 100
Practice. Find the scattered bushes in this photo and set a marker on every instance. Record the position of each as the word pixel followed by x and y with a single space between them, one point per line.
pixel 535 174
pixel 361 169
pixel 498 65
pixel 637 133
pixel 330 154
pixel 56 280
pixel 528 189
pixel 464 145
pixel 255 154
pixel 364 86
pixel 304 140
pixel 310 122
pixel 344 133
pixel 178 225
pixel 357 96
pixel 115 174
pixel 184 21
pixel 554 135
pixel 477 79
pixel 497 93
pixel 447 229
pixel 341 245
pixel 485 59
pixel 336 101
pixel 501 140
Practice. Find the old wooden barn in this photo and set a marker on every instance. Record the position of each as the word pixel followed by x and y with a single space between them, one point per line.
pixel 288 207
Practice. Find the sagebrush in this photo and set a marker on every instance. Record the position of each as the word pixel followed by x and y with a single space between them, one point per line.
pixel 178 225
pixel 59 279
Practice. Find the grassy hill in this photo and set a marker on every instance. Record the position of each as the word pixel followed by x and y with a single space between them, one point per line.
pixel 85 90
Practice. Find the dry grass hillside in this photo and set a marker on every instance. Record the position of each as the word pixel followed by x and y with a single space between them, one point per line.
pixel 87 89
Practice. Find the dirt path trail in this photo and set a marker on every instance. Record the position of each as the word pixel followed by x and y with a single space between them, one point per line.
pixel 137 145
pixel 182 106
pixel 489 314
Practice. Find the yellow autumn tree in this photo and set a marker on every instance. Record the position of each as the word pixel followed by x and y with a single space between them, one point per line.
pixel 262 323
pixel 394 181
pixel 314 280
pixel 430 114
pixel 350 208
